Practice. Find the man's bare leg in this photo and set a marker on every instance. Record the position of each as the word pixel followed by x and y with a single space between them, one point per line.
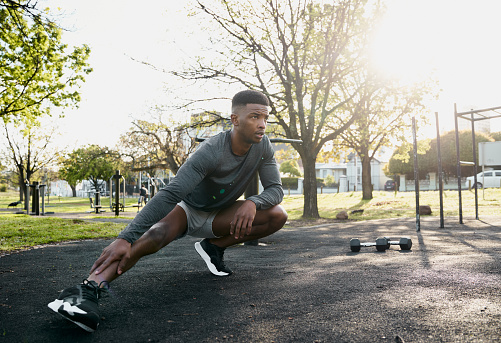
pixel 236 224
pixel 108 267
pixel 265 223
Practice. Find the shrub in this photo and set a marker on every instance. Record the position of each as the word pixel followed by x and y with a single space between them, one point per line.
pixel 330 181
pixel 290 167
pixel 3 188
pixel 289 182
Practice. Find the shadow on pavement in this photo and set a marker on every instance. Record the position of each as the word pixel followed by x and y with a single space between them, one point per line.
pixel 301 285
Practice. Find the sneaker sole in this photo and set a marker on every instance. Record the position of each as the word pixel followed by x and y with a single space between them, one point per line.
pixel 206 258
pixel 56 305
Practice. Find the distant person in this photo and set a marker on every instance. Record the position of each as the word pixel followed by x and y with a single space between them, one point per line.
pixel 201 201
pixel 143 195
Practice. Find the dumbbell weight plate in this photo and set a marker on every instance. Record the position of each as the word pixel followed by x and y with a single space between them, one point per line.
pixel 381 244
pixel 355 244
pixel 405 243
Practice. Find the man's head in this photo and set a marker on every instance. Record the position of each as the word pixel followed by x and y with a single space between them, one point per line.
pixel 248 97
pixel 249 117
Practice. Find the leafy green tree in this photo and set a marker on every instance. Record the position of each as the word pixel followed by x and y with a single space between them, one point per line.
pixel 37 72
pixel 302 54
pixel 385 111
pixel 290 167
pixel 70 171
pixel 330 181
pixel 402 161
pixel 496 136
pixel 30 148
pixel 94 163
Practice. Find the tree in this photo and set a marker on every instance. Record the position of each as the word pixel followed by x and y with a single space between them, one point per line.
pixel 94 163
pixel 402 161
pixel 36 71
pixel 29 147
pixel 385 110
pixel 164 143
pixel 290 167
pixel 70 171
pixel 496 136
pixel 300 54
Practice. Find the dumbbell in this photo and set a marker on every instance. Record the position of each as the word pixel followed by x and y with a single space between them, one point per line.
pixel 381 244
pixel 404 242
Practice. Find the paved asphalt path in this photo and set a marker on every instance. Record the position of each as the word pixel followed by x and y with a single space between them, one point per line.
pixel 301 285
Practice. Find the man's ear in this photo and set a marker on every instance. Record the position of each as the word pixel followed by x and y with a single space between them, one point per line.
pixel 234 119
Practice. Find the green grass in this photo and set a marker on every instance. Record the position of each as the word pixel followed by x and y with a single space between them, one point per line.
pixel 22 231
pixel 402 204
pixel 67 204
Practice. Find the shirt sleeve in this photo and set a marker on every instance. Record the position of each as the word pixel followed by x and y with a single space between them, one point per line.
pixel 191 173
pixel 269 175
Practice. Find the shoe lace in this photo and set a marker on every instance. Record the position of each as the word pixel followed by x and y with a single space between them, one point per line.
pixel 93 291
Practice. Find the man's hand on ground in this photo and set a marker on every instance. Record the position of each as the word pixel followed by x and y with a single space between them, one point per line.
pixel 241 224
pixel 119 250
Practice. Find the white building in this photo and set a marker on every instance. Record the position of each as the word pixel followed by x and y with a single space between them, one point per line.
pixel 60 188
pixel 353 172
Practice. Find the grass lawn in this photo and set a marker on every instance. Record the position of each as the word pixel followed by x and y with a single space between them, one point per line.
pixel 23 231
pixel 402 204
pixel 18 231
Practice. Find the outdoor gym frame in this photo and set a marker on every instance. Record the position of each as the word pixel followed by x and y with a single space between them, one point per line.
pixel 473 116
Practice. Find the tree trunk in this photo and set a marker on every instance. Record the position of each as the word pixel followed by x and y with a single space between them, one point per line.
pixel 74 191
pixel 310 188
pixel 366 176
pixel 22 188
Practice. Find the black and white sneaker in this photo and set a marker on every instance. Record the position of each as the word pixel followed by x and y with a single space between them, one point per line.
pixel 213 257
pixel 79 304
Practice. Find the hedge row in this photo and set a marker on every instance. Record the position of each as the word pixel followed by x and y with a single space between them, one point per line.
pixel 291 183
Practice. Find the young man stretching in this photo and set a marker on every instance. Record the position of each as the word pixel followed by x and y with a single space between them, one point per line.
pixel 201 201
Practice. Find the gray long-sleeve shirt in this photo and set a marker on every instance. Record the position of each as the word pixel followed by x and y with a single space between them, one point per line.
pixel 213 178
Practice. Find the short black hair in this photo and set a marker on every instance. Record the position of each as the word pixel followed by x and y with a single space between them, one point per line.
pixel 249 96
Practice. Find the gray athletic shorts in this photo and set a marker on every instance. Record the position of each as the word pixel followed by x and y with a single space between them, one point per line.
pixel 199 222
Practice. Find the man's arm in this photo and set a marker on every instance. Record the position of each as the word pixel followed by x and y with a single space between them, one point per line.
pixel 269 175
pixel 188 177
pixel 272 195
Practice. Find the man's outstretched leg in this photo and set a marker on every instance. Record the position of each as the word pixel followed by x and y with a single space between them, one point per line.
pixel 79 304
pixel 264 223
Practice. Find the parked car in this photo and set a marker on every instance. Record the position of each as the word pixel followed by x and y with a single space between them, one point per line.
pixel 390 185
pixel 490 178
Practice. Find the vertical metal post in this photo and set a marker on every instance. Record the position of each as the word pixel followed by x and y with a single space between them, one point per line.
pixel 97 201
pixel 36 199
pixel 416 175
pixel 117 178
pixel 27 197
pixel 42 195
pixel 440 184
pixel 474 162
pixel 458 165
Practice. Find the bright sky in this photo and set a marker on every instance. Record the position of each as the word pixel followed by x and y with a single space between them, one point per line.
pixel 457 38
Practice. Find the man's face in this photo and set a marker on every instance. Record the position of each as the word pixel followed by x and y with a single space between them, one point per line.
pixel 250 122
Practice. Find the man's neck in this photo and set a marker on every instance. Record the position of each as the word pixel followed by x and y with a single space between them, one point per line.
pixel 238 147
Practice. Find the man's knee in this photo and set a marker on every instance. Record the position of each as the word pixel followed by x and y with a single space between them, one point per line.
pixel 278 216
pixel 161 234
